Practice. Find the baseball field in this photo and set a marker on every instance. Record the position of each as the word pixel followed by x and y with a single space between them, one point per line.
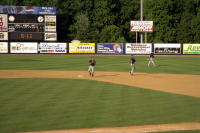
pixel 54 93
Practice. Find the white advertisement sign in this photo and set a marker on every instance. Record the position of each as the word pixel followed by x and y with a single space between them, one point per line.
pixel 50 36
pixel 167 48
pixel 141 26
pixel 50 23
pixel 3 47
pixel 23 47
pixel 3 35
pixel 167 45
pixel 3 22
pixel 138 48
pixel 52 47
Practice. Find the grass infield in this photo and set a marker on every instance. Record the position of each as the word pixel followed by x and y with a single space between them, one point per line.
pixel 166 64
pixel 45 104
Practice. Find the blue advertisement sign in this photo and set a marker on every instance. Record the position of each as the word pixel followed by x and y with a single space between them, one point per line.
pixel 27 10
pixel 110 48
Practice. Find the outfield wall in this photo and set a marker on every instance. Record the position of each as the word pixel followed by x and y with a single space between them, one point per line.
pixel 99 48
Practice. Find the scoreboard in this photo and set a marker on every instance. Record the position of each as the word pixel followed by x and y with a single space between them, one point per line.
pixel 25 36
pixel 37 25
pixel 24 18
pixel 22 27
pixel 28 27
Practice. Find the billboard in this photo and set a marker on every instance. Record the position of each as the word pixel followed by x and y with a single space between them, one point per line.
pixel 3 36
pixel 23 47
pixel 3 22
pixel 26 36
pixel 22 18
pixel 138 48
pixel 81 47
pixel 27 10
pixel 141 26
pixel 52 47
pixel 26 27
pixel 167 48
pixel 191 48
pixel 50 36
pixel 3 47
pixel 50 23
pixel 110 48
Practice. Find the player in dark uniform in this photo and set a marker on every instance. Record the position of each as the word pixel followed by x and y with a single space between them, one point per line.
pixel 132 60
pixel 92 64
pixel 151 60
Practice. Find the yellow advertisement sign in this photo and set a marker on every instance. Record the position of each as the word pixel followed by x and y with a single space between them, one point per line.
pixel 191 48
pixel 80 48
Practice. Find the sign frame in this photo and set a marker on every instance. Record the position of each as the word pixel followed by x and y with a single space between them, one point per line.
pixel 24 47
pixel 110 48
pixel 166 47
pixel 141 26
pixel 194 47
pixel 135 48
pixel 85 48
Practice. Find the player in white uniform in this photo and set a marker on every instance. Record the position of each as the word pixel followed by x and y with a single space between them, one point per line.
pixel 151 60
pixel 92 63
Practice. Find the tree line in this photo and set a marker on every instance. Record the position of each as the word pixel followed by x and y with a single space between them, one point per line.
pixel 175 21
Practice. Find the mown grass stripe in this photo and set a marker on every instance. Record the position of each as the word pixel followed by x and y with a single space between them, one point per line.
pixel 44 104
pixel 179 65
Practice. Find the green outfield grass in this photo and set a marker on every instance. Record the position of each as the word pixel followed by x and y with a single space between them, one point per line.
pixel 170 64
pixel 187 131
pixel 45 104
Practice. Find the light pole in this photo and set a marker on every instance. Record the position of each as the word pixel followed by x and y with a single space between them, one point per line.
pixel 141 18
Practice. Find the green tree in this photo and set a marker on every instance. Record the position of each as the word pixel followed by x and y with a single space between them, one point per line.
pixel 80 29
pixel 110 34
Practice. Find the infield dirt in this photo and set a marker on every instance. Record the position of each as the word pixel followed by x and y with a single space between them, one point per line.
pixel 132 129
pixel 173 83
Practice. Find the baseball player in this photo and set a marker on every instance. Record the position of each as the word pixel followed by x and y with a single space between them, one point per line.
pixel 132 60
pixel 151 60
pixel 92 63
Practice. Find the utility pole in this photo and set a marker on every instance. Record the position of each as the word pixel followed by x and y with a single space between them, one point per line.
pixel 141 18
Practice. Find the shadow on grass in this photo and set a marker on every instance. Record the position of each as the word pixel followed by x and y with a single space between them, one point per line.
pixel 28 60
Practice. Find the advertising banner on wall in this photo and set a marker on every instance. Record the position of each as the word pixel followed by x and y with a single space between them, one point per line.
pixel 191 48
pixel 80 48
pixel 167 48
pixel 141 26
pixel 3 22
pixel 138 48
pixel 3 47
pixel 23 47
pixel 50 23
pixel 110 48
pixel 50 36
pixel 52 47
pixel 27 10
pixel 3 36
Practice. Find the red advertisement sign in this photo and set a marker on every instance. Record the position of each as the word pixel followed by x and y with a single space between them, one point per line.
pixel 141 26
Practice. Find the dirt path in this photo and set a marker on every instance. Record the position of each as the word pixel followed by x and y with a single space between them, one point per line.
pixel 132 129
pixel 174 83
